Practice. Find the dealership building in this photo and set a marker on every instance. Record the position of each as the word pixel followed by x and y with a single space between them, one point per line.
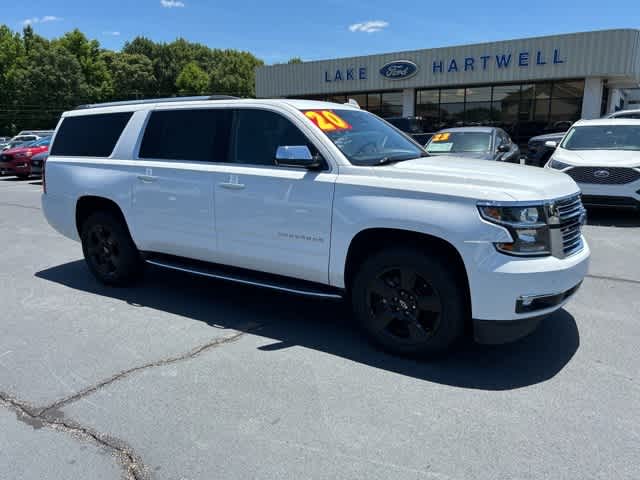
pixel 527 86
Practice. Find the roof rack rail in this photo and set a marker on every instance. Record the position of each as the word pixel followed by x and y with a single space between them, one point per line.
pixel 156 100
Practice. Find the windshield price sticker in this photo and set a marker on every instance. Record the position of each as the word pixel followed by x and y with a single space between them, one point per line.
pixel 326 120
pixel 440 147
pixel 441 137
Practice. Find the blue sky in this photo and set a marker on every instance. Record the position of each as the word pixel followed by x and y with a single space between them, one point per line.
pixel 279 29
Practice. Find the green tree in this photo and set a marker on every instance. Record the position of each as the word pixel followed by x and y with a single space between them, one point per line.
pixel 88 53
pixel 294 60
pixel 192 80
pixel 49 82
pixel 131 74
pixel 234 73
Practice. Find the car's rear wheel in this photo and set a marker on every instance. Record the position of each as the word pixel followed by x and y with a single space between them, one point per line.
pixel 409 303
pixel 109 250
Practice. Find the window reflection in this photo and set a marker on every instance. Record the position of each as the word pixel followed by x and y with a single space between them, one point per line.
pixel 523 110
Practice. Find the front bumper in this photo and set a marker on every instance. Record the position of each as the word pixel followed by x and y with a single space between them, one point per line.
pixel 16 167
pixel 488 332
pixel 625 195
pixel 6 167
pixel 498 282
pixel 622 195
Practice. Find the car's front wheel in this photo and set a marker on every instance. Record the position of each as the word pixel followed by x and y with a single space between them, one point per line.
pixel 409 303
pixel 109 250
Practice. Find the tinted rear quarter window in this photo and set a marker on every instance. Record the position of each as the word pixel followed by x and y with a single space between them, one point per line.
pixel 90 135
pixel 194 135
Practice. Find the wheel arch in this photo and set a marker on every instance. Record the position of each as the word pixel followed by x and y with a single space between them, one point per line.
pixel 371 240
pixel 89 204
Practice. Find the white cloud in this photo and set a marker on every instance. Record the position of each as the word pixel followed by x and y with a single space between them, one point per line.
pixel 171 3
pixel 113 34
pixel 371 26
pixel 45 19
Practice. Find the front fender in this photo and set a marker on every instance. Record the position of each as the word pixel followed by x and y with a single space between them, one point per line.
pixel 454 220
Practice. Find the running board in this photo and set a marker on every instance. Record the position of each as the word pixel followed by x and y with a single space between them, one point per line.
pixel 245 277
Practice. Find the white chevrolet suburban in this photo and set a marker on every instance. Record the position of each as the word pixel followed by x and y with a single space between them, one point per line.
pixel 318 199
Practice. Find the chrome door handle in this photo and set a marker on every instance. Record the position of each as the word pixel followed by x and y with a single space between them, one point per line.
pixel 147 178
pixel 232 186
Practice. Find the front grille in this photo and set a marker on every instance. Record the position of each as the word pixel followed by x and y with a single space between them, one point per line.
pixel 571 215
pixel 604 175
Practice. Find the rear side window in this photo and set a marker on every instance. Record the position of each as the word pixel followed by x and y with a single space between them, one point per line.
pixel 90 135
pixel 195 135
pixel 258 135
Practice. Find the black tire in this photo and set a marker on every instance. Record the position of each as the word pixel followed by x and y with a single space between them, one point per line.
pixel 22 176
pixel 409 303
pixel 109 251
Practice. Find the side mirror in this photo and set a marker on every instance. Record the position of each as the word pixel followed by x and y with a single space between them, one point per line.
pixel 504 148
pixel 551 144
pixel 297 156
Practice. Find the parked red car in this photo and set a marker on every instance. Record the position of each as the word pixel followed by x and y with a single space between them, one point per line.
pixel 17 161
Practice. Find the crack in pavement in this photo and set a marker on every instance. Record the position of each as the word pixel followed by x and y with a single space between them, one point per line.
pixel 614 279
pixel 134 468
pixel 52 417
pixel 158 363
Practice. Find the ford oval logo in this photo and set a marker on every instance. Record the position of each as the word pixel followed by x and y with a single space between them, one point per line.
pixel 602 174
pixel 399 70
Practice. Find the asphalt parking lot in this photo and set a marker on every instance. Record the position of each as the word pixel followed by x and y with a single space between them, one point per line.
pixel 189 378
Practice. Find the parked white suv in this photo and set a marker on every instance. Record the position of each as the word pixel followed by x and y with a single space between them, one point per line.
pixel 318 199
pixel 603 157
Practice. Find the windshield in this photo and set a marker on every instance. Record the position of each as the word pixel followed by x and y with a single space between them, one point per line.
pixel 364 138
pixel 458 142
pixel 603 137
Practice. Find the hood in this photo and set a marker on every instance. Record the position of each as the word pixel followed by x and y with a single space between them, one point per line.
pixel 40 156
pixel 474 155
pixel 479 179
pixel 33 150
pixel 598 158
pixel 548 137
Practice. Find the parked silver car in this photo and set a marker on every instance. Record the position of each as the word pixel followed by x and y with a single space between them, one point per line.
pixel 625 114
pixel 485 143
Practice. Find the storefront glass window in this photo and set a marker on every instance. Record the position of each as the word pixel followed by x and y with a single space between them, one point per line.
pixel 451 115
pixel 523 110
pixel 452 95
pixel 478 113
pixel 478 94
pixel 373 103
pixel 391 104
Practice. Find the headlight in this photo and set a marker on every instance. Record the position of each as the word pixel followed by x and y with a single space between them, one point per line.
pixel 557 165
pixel 23 155
pixel 527 225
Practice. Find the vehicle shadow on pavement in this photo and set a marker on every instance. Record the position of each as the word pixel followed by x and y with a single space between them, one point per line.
pixel 611 217
pixel 326 326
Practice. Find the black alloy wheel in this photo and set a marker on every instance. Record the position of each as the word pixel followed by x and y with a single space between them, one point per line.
pixel 104 250
pixel 403 305
pixel 410 301
pixel 109 250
